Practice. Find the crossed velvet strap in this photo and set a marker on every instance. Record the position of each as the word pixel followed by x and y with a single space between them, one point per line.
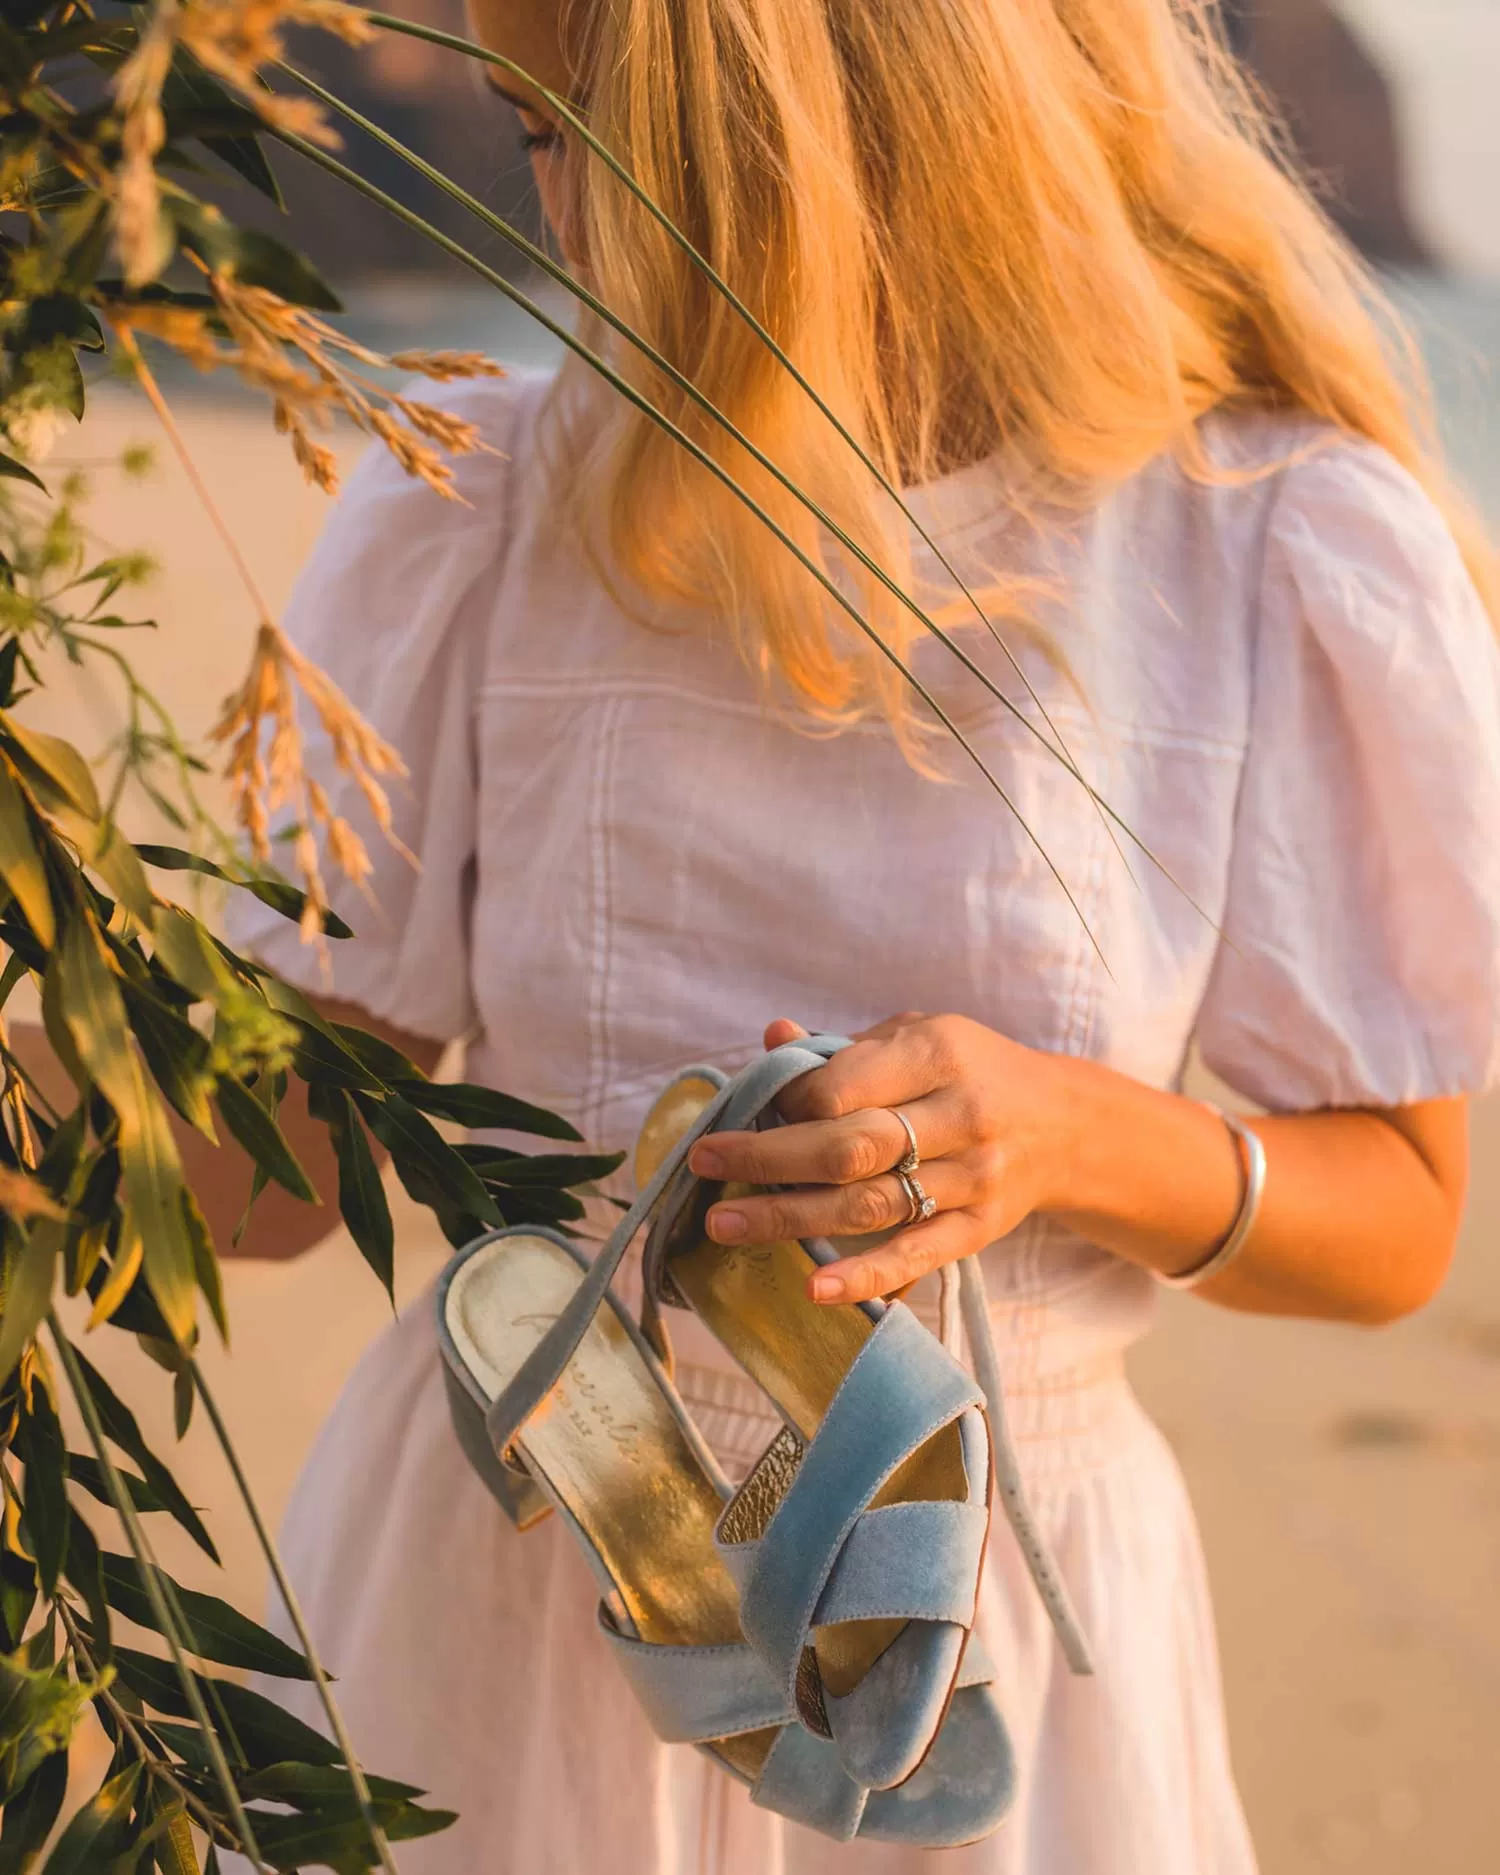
pixel 823 1554
pixel 906 1350
pixel 700 1695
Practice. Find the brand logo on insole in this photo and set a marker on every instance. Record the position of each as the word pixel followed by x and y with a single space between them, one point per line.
pixel 585 1406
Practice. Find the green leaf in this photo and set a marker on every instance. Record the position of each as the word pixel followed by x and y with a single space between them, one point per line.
pixel 362 1199
pixel 21 865
pixel 125 1266
pixel 536 1204
pixel 185 951
pixel 276 893
pixel 175 1854
pixel 415 1143
pixel 94 1011
pixel 57 1029
pixel 103 847
pixel 338 1835
pixel 253 258
pixel 310 1785
pixel 84 1250
pixel 86 1573
pixel 184 1398
pixel 321 1059
pixel 39 1707
pixel 18 1592
pixel 19 472
pixel 177 1055
pixel 120 1427
pixel 558 1169
pixel 262 1138
pixel 28 1291
pixel 98 1832
pixel 197 106
pixel 56 316
pixel 267 1733
pixel 381 1057
pixel 10 657
pixel 59 1162
pixel 57 762
pixel 49 376
pixel 84 1470
pixel 206 1264
pixel 40 1447
pixel 482 1108
pixel 246 158
pixel 31 1814
pixel 213 1630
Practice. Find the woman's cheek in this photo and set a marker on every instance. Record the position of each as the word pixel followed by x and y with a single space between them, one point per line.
pixel 547 169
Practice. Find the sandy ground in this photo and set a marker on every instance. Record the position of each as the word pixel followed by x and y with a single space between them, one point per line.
pixel 1349 1484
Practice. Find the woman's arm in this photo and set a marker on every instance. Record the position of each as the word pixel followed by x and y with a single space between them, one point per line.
pixel 220 1176
pixel 1360 1214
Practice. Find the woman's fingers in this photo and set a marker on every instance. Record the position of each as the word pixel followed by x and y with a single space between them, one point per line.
pixel 782 1031
pixel 875 1204
pixel 902 1260
pixel 831 1152
pixel 889 1066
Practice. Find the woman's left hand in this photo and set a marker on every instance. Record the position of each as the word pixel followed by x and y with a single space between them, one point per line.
pixel 991 1124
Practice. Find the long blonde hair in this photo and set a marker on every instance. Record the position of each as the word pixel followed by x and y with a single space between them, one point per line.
pixel 1061 227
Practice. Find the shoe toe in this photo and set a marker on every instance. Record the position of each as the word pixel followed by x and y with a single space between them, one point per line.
pixel 964 1789
pixel 884 1728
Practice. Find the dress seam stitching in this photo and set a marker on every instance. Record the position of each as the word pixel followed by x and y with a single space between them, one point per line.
pixel 616 689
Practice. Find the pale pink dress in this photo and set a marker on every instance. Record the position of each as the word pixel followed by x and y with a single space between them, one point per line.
pixel 1286 687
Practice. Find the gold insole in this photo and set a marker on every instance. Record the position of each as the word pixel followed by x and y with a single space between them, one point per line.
pixel 611 1448
pixel 754 1299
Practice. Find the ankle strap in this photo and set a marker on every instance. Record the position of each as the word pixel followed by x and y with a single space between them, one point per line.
pixel 745 1096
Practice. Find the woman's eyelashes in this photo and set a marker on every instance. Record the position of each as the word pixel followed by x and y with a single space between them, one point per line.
pixel 534 140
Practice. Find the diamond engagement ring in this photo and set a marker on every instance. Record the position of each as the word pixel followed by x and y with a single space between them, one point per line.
pixel 922 1206
pixel 911 1158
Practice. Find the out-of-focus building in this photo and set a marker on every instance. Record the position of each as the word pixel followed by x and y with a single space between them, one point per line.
pixel 1338 106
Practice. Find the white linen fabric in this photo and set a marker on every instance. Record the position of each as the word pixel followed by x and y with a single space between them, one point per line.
pixel 633 856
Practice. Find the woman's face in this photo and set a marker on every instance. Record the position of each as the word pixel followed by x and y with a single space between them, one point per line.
pixel 528 32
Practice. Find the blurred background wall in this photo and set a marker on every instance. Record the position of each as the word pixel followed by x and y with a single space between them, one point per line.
pixel 1349 1484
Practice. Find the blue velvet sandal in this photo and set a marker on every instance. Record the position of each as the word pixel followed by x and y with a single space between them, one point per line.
pixel 608 1445
pixel 858 1541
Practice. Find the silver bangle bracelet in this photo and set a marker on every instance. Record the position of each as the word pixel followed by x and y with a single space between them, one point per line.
pixel 1254 1155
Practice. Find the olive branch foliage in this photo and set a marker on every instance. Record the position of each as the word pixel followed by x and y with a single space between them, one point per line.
pixel 112 122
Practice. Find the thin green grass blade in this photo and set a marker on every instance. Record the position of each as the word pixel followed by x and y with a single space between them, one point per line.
pixel 642 403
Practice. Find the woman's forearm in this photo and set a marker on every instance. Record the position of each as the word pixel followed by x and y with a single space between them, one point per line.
pixel 1358 1219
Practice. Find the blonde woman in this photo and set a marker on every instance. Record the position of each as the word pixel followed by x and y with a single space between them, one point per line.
pixel 1035 256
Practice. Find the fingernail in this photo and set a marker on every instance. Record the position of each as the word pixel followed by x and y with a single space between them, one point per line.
pixel 728 1226
pixel 707 1163
pixel 827 1288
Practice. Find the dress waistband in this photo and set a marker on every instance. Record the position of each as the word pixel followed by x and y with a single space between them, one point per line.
pixel 1063 1426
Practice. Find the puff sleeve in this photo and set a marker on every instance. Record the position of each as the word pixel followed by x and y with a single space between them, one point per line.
pixel 394 605
pixel 1360 957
